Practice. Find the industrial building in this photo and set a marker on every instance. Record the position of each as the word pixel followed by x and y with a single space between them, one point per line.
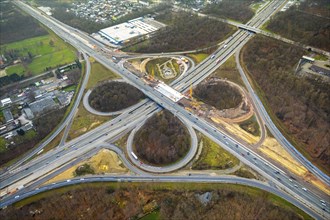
pixel 134 29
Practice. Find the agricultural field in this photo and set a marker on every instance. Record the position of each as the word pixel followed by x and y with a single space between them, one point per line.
pixel 36 55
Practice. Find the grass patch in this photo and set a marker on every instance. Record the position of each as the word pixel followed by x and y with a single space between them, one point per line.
pixel 98 74
pixel 251 126
pixel 84 121
pixel 229 71
pixel 111 186
pixel 154 215
pixel 122 142
pixel 153 70
pixel 198 57
pixel 214 157
pixel 54 143
pixel 245 173
pixel 70 88
pixel 47 51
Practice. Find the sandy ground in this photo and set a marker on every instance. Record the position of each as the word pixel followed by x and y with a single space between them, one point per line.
pixel 275 151
pixel 105 161
pixel 3 73
pixel 237 131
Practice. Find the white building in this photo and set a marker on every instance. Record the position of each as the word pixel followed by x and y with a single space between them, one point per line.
pixel 6 101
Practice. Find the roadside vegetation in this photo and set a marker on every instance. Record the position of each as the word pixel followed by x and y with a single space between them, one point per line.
pixel 85 121
pixel 213 157
pixel 228 71
pixel 238 10
pixel 299 106
pixel 99 73
pixel 114 96
pixel 198 57
pixel 304 27
pixel 162 140
pixel 251 125
pixel 219 94
pixel 184 32
pixel 170 200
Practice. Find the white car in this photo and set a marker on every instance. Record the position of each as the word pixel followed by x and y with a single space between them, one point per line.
pixel 16 197
pixel 304 189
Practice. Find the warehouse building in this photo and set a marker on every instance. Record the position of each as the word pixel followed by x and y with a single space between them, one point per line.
pixel 131 30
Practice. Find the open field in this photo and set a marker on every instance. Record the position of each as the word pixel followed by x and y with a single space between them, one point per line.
pixel 128 200
pixel 99 74
pixel 46 52
pixel 213 156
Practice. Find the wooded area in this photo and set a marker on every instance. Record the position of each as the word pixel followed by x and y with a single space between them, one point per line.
pixel 302 27
pixel 238 10
pixel 114 96
pixel 219 94
pixel 163 139
pixel 123 202
pixel 15 26
pixel 301 105
pixel 44 126
pixel 184 32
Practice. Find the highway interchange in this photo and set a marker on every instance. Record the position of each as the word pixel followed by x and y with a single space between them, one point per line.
pixel 309 200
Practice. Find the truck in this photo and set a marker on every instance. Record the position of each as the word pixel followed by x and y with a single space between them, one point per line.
pixel 135 157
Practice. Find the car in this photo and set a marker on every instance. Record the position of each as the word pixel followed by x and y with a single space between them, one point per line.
pixel 304 189
pixel 227 143
pixel 82 179
pixel 290 180
pixel 68 181
pixel 16 197
pixel 248 153
pixel 295 185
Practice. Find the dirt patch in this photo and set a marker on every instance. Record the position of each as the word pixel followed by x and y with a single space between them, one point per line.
pixel 105 161
pixel 236 130
pixel 275 151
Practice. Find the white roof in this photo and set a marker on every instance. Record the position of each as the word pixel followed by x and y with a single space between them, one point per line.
pixel 6 100
pixel 169 92
pixel 125 31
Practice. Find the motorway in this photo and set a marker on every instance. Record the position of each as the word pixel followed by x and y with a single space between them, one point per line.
pixel 271 172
